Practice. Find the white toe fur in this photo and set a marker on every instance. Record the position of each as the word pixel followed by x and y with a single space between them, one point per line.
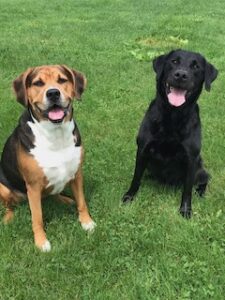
pixel 46 247
pixel 89 226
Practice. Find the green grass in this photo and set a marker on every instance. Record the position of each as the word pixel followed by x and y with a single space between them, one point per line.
pixel 144 250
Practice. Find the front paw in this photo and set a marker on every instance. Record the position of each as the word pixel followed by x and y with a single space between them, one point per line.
pixel 90 226
pixel 127 198
pixel 186 212
pixel 44 246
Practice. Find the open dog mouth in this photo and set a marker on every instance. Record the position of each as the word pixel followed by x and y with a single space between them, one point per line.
pixel 57 113
pixel 176 96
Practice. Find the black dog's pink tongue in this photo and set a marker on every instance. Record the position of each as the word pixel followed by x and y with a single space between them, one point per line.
pixel 56 114
pixel 176 97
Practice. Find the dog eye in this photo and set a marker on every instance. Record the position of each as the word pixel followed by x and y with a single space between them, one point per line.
pixel 38 83
pixel 62 80
pixel 195 65
pixel 174 61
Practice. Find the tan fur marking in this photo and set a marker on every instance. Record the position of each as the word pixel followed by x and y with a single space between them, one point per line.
pixel 9 215
pixel 49 75
pixel 31 172
pixel 9 199
pixel 36 184
pixel 78 192
pixel 34 198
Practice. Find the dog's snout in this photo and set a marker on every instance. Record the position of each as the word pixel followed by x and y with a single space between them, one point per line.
pixel 180 75
pixel 53 94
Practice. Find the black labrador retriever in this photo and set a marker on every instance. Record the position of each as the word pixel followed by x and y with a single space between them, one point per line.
pixel 169 139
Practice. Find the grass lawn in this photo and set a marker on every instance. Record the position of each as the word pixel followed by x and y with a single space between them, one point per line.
pixel 145 250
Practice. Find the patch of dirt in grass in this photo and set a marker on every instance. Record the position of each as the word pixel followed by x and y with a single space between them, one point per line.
pixel 145 49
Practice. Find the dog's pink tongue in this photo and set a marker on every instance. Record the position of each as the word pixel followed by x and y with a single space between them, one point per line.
pixel 56 114
pixel 176 97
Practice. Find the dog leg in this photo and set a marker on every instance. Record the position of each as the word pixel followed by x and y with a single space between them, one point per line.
pixel 34 198
pixel 140 166
pixel 77 188
pixel 185 207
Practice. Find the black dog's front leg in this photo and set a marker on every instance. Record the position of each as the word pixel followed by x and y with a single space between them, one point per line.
pixel 185 207
pixel 141 163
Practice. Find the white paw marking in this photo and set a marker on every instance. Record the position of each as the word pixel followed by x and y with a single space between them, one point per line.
pixel 89 226
pixel 46 247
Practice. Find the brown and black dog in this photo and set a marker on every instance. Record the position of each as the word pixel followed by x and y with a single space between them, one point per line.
pixel 44 152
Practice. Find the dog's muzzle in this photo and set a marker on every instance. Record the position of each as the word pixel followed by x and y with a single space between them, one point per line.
pixel 55 112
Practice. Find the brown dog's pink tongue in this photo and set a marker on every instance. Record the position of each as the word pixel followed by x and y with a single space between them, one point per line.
pixel 56 114
pixel 176 97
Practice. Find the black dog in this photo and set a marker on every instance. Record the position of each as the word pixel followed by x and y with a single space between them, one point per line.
pixel 169 139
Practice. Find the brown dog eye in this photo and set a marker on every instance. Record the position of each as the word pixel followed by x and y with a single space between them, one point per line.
pixel 62 80
pixel 38 83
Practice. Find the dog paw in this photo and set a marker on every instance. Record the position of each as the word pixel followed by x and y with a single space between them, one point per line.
pixel 200 190
pixel 8 217
pixel 45 247
pixel 127 198
pixel 90 226
pixel 186 212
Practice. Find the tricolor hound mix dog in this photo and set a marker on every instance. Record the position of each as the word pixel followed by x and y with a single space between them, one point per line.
pixel 44 152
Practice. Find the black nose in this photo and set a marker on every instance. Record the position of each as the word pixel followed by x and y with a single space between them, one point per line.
pixel 53 94
pixel 180 75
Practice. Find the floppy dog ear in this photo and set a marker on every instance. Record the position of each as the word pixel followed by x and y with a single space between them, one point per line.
pixel 20 85
pixel 158 64
pixel 79 81
pixel 210 75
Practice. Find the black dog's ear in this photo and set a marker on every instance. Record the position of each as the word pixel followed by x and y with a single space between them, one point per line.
pixel 158 64
pixel 20 88
pixel 210 75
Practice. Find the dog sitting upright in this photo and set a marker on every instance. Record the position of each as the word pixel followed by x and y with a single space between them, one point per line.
pixel 44 152
pixel 169 139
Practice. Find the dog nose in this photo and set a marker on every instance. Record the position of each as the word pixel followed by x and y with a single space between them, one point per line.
pixel 53 94
pixel 181 75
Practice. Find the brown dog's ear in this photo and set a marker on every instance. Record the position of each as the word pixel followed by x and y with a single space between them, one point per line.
pixel 20 87
pixel 210 75
pixel 79 81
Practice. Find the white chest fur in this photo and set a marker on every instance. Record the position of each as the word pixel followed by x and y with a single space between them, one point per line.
pixel 55 152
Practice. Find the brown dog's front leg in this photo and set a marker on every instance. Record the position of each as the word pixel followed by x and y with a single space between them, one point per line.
pixel 77 188
pixel 34 198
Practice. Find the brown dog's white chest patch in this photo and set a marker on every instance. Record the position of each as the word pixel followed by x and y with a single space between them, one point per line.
pixel 55 152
